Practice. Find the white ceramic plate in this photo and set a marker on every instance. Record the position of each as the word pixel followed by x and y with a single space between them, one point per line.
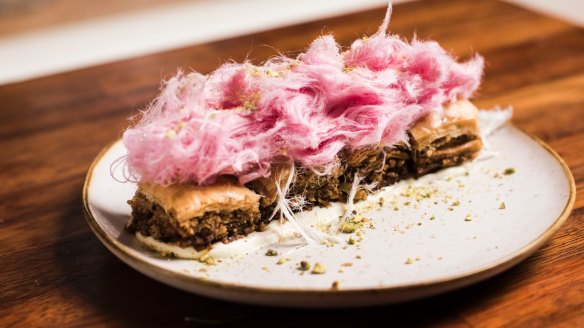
pixel 454 233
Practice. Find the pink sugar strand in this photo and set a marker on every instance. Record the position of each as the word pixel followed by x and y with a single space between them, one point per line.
pixel 242 118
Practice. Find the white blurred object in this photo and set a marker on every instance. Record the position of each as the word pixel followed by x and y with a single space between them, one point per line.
pixel 568 10
pixel 64 48
pixel 35 54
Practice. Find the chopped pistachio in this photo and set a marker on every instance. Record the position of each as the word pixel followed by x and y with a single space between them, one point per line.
pixel 433 217
pixel 351 241
pixel 468 218
pixel 304 266
pixel 207 259
pixel 509 171
pixel 502 206
pixel 318 268
pixel 456 203
pixel 409 260
pixel 348 227
pixel 358 257
pixel 346 264
pixel 271 73
pixel 335 285
pixel 271 252
pixel 170 134
pixel 282 261
pixel 249 105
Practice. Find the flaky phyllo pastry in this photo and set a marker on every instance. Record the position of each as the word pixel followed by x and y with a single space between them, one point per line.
pixel 219 156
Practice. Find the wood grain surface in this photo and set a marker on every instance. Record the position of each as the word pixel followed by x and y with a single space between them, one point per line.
pixel 20 16
pixel 54 271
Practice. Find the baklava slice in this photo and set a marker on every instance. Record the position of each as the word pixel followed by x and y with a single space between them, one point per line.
pixel 445 139
pixel 191 216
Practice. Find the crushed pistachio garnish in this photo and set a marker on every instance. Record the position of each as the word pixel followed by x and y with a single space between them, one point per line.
pixel 271 252
pixel 346 264
pixel 509 171
pixel 265 269
pixel 349 227
pixel 282 261
pixel 358 257
pixel 318 269
pixel 335 285
pixel 468 218
pixel 255 72
pixel 502 206
pixel 304 266
pixel 433 217
pixel 170 134
pixel 207 259
pixel 272 73
pixel 409 260
pixel 249 105
pixel 351 241
pixel 426 195
pixel 456 203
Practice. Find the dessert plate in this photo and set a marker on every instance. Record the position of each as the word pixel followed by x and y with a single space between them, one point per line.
pixel 415 239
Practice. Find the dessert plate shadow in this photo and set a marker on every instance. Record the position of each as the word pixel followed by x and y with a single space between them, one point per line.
pixel 442 232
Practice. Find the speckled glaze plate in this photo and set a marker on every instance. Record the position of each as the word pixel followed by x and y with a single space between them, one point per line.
pixel 432 235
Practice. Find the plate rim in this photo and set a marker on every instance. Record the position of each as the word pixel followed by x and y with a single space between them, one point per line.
pixel 459 279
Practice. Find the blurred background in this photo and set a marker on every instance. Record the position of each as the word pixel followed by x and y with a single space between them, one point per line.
pixel 43 37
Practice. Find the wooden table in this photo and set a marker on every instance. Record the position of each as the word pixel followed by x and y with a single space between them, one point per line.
pixel 54 271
